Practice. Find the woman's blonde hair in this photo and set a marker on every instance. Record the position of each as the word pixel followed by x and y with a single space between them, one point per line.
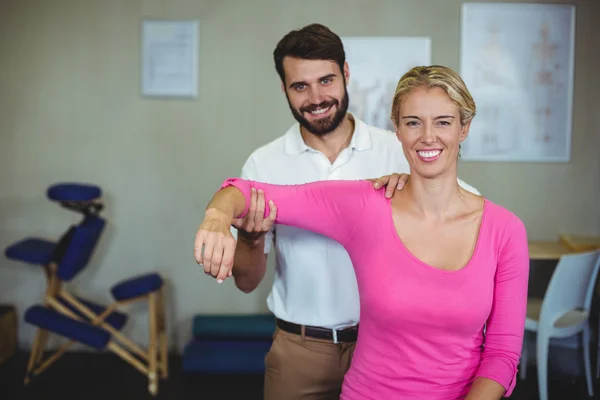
pixel 431 77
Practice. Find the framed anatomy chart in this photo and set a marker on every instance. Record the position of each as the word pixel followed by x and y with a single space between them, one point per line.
pixel 517 61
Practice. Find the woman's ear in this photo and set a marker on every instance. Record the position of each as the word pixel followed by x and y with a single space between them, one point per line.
pixel 398 133
pixel 464 132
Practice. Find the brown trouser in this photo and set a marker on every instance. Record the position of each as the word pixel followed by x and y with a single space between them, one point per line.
pixel 305 368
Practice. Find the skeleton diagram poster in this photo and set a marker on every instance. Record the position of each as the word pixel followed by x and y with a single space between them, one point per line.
pixel 376 65
pixel 517 61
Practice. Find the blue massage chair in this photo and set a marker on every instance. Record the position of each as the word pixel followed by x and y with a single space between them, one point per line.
pixel 76 319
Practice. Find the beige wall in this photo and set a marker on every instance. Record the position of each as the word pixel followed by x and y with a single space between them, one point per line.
pixel 70 109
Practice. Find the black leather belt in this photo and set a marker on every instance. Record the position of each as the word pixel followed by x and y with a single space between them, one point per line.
pixel 346 335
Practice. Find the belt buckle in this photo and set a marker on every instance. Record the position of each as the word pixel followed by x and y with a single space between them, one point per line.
pixel 335 338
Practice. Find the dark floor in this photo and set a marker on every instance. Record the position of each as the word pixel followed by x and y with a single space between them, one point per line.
pixel 94 376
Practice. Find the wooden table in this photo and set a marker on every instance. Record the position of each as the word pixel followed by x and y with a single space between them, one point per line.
pixel 581 243
pixel 553 250
pixel 540 250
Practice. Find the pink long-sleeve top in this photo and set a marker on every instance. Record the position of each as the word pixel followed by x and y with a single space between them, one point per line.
pixel 425 333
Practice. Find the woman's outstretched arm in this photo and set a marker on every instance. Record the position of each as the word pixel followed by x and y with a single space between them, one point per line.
pixel 330 208
pixel 214 244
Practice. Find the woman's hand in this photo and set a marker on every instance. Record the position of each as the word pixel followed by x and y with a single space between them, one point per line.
pixel 214 247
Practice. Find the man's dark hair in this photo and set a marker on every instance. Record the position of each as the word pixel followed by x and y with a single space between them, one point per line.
pixel 313 42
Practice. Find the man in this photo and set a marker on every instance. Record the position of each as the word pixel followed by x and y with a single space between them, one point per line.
pixel 314 295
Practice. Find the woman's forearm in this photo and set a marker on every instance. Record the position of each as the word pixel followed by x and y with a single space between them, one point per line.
pixel 485 389
pixel 229 201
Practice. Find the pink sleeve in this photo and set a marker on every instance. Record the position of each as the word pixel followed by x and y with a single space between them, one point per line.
pixel 330 208
pixel 506 323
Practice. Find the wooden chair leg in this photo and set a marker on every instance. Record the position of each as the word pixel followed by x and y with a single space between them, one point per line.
pixel 164 356
pixel 126 356
pixel 99 320
pixel 33 356
pixel 50 360
pixel 152 345
pixel 163 340
pixel 41 347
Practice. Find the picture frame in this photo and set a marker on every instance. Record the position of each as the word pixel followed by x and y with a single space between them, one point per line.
pixel 517 59
pixel 170 58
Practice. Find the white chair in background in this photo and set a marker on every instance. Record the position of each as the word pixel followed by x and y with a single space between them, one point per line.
pixel 563 312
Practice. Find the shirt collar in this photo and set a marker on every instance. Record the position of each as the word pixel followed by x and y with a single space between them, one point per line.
pixel 361 139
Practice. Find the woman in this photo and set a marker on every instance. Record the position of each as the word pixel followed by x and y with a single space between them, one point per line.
pixel 442 272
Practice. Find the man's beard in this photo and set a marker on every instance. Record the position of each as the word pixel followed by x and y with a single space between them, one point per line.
pixel 324 125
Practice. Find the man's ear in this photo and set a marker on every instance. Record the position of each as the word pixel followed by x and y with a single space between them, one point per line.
pixel 346 72
pixel 283 87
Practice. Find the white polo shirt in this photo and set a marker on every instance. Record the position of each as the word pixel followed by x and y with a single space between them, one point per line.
pixel 314 282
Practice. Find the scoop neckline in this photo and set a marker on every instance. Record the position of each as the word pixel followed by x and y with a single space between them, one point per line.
pixel 406 251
